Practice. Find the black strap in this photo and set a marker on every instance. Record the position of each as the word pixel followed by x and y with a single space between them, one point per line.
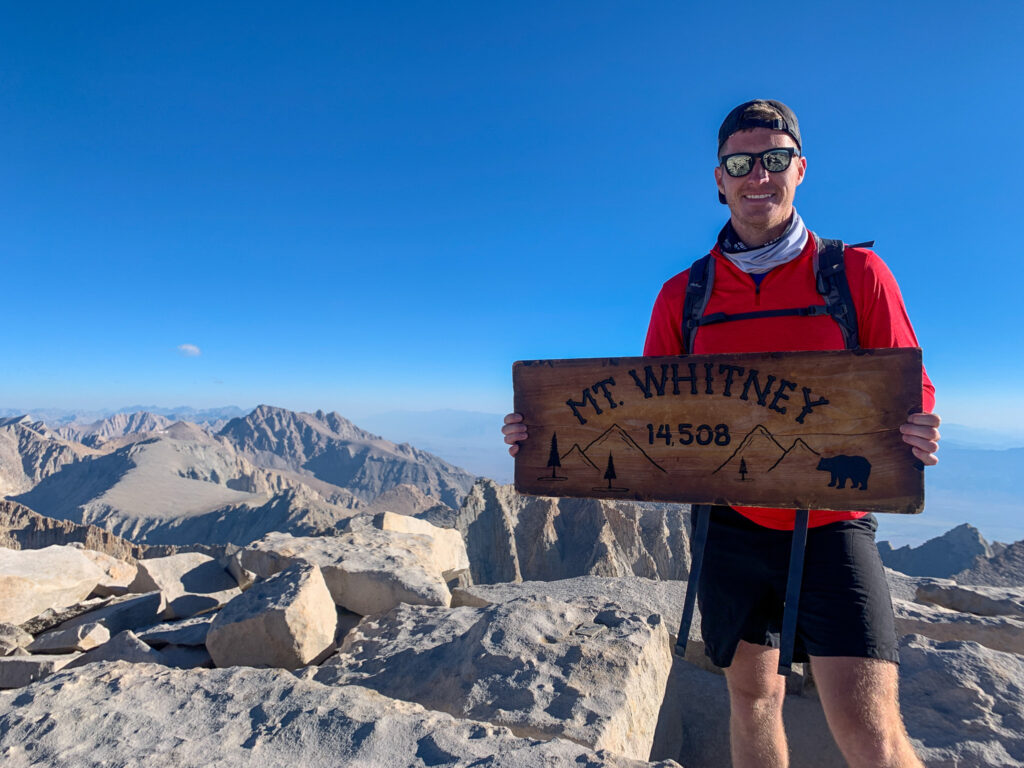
pixel 830 275
pixel 698 293
pixel 722 317
pixel 796 573
pixel 702 516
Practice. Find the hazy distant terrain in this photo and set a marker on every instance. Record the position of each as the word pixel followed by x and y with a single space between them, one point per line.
pixel 969 485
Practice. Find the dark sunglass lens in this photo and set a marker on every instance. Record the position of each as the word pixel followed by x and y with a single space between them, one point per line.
pixel 776 161
pixel 739 165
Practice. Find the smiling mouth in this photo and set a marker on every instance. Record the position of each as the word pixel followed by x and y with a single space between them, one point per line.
pixel 758 197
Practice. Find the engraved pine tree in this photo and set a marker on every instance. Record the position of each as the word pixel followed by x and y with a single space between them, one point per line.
pixel 743 470
pixel 553 461
pixel 609 473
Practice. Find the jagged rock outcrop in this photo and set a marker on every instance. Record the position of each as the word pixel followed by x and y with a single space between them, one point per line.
pixel 240 716
pixel 334 450
pixel 956 550
pixel 511 537
pixel 29 454
pixel 1004 569
pixel 521 664
pixel 23 528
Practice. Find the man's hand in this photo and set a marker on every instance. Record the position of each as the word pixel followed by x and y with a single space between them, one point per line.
pixel 921 433
pixel 514 431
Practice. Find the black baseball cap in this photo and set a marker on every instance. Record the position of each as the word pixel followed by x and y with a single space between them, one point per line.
pixel 744 117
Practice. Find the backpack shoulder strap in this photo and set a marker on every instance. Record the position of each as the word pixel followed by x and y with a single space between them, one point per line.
pixel 698 293
pixel 830 277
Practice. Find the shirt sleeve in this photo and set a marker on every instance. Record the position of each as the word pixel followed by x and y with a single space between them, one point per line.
pixel 882 319
pixel 665 333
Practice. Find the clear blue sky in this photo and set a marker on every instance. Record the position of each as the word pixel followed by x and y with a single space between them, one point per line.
pixel 374 206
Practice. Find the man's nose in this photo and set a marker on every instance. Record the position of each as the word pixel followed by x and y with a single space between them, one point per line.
pixel 758 171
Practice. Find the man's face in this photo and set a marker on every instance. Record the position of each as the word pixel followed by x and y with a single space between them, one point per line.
pixel 760 201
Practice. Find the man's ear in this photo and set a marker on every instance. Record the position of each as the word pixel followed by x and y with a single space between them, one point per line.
pixel 801 169
pixel 718 180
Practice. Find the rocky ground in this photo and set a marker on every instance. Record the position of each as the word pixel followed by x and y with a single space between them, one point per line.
pixel 375 648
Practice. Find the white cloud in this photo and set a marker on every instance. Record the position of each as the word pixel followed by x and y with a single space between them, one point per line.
pixel 189 350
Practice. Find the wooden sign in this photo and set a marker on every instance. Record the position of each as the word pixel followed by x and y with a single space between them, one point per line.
pixel 803 430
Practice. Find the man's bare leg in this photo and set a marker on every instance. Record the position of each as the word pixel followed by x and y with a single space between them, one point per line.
pixel 861 704
pixel 756 692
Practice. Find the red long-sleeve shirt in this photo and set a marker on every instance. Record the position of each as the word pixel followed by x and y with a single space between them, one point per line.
pixel 882 322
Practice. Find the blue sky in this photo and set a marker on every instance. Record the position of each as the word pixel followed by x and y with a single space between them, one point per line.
pixel 376 206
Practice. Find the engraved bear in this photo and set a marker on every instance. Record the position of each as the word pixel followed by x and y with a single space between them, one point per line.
pixel 842 468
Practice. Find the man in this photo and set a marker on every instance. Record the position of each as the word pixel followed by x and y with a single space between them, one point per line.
pixel 764 260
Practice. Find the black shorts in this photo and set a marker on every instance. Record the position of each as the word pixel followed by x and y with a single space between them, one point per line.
pixel 845 608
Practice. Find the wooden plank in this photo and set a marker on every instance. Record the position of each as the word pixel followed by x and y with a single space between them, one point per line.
pixel 801 430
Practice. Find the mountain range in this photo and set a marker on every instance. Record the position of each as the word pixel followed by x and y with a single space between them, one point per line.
pixel 154 481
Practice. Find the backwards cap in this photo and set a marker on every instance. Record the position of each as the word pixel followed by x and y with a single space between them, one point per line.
pixel 743 118
pixel 740 120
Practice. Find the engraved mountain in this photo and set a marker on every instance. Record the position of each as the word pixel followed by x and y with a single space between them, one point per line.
pixel 799 458
pixel 761 452
pixel 629 457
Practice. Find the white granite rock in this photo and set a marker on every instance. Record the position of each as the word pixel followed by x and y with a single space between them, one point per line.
pixel 120 613
pixel 191 631
pixel 1000 633
pixel 979 600
pixel 81 638
pixel 286 621
pixel 963 704
pixel 33 580
pixel 117 714
pixel 50 618
pixel 367 571
pixel 191 582
pixel 641 596
pixel 543 668
pixel 119 573
pixel 187 656
pixel 20 670
pixel 124 646
pixel 449 548
pixel 12 638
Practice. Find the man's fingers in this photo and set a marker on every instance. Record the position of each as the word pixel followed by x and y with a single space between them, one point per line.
pixel 513 418
pixel 513 449
pixel 926 431
pixel 922 441
pixel 926 458
pixel 925 419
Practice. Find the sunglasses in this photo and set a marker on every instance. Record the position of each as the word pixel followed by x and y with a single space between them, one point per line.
pixel 772 160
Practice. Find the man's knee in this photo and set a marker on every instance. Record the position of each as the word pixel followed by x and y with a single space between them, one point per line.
pixel 754 685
